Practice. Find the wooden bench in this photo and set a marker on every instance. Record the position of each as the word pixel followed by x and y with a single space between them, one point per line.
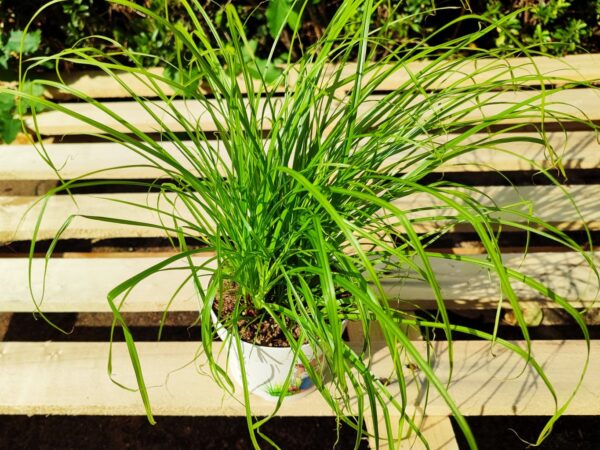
pixel 71 377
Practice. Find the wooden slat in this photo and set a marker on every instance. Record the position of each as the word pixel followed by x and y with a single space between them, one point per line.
pixel 12 210
pixel 129 114
pixel 81 284
pixel 575 68
pixel 576 104
pixel 580 150
pixel 71 378
pixel 468 286
pixel 97 84
pixel 557 71
pixel 548 201
pixel 437 430
pixel 576 150
pixel 580 103
pixel 75 160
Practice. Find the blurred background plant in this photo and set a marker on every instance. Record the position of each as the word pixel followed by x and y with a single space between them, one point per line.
pixel 558 27
pixel 555 27
pixel 10 46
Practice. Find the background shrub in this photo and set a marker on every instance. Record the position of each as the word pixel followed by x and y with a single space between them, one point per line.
pixel 554 26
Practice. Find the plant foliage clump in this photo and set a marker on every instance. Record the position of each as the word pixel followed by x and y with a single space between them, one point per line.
pixel 294 197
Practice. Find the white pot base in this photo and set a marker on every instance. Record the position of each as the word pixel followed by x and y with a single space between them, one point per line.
pixel 271 393
pixel 268 368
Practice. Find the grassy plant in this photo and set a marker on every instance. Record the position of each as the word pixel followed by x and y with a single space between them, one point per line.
pixel 302 216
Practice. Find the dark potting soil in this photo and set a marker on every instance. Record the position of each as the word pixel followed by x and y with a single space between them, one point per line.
pixel 254 325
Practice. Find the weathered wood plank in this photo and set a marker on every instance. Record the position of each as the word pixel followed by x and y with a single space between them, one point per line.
pixel 106 160
pixel 97 84
pixel 437 430
pixel 71 378
pixel 556 71
pixel 577 150
pixel 579 103
pixel 127 115
pixel 548 203
pixel 467 285
pixel 574 68
pixel 59 208
pixel 81 284
pixel 562 106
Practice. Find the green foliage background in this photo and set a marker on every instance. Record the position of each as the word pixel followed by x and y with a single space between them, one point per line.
pixel 556 27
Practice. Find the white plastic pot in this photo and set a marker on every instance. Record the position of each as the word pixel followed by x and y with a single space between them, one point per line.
pixel 267 368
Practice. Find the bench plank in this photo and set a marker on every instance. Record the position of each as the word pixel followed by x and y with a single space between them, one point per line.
pixel 565 105
pixel 577 68
pixel 130 114
pixel 75 381
pixel 81 284
pixel 548 201
pixel 13 209
pixel 581 104
pixel 74 160
pixel 580 151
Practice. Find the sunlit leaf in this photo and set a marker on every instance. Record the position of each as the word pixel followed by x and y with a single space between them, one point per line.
pixel 281 12
pixel 30 41
pixel 9 128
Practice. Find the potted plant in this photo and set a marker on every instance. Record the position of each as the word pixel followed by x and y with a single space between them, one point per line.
pixel 300 219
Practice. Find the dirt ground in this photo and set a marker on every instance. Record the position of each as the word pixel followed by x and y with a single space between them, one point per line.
pixel 199 433
pixel 305 433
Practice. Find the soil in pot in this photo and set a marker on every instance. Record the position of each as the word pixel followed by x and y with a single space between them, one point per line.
pixel 255 326
pixel 272 367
